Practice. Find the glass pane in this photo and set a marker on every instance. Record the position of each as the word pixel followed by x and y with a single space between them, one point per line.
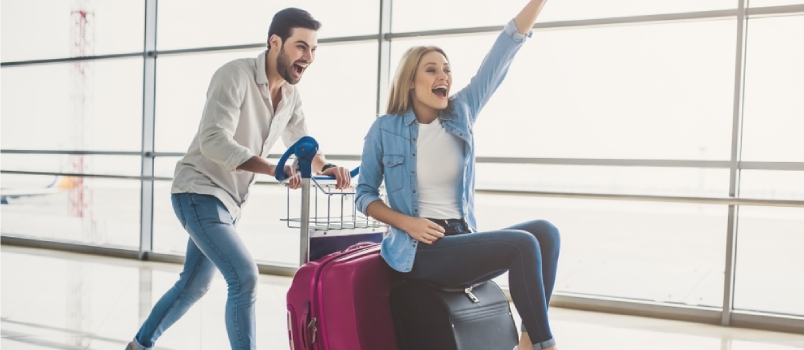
pixel 165 166
pixel 605 179
pixel 43 29
pixel 84 164
pixel 663 252
pixel 169 236
pixel 337 117
pixel 770 184
pixel 662 91
pixel 774 84
pixel 339 100
pixel 761 3
pixel 770 260
pixel 91 105
pixel 410 15
pixel 103 212
pixel 247 21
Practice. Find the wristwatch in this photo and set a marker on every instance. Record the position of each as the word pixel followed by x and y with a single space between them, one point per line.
pixel 327 166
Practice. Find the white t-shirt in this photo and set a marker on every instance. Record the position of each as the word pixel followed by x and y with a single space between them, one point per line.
pixel 439 162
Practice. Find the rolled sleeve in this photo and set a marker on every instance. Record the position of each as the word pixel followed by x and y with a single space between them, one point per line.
pixel 371 172
pixel 238 157
pixel 510 30
pixel 220 118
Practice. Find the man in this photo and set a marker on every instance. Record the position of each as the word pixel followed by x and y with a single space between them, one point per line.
pixel 250 103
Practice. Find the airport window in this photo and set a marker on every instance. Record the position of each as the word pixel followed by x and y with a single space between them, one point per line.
pixel 109 103
pixel 653 134
pixel 409 16
pixel 246 21
pixel 774 83
pixel 769 263
pixel 52 28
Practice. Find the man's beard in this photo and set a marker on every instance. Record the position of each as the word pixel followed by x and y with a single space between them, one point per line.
pixel 283 67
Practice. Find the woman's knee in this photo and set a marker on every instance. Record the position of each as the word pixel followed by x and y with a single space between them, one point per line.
pixel 545 232
pixel 522 240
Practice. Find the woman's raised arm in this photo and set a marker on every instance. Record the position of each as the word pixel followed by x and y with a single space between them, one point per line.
pixel 527 17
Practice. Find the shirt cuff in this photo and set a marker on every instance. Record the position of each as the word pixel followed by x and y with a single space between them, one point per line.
pixel 237 158
pixel 510 30
pixel 364 201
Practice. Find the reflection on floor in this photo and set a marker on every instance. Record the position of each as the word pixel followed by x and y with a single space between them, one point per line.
pixel 56 300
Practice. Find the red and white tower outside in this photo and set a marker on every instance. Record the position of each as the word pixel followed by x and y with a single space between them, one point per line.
pixel 82 37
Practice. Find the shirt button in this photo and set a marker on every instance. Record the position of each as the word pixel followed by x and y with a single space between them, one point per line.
pixel 414 154
pixel 416 210
pixel 413 172
pixel 414 191
pixel 414 139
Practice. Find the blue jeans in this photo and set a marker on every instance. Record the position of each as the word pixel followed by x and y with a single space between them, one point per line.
pixel 528 251
pixel 213 244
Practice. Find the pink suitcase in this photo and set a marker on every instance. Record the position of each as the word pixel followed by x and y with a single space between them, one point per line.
pixel 340 302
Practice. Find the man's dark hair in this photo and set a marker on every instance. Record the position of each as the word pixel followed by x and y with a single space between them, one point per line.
pixel 284 21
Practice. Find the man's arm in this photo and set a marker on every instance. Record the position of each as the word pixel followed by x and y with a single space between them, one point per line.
pixel 220 117
pixel 342 177
pixel 259 165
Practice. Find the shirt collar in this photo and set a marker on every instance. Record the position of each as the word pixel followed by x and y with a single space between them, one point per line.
pixel 261 77
pixel 410 117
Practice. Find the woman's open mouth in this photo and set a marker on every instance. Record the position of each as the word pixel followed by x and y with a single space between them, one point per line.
pixel 440 92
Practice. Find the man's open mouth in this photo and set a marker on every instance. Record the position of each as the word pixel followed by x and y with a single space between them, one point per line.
pixel 298 69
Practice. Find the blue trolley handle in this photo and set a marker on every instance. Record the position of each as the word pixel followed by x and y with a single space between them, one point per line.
pixel 305 150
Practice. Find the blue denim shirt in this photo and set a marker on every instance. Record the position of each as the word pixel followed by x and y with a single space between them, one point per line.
pixel 389 152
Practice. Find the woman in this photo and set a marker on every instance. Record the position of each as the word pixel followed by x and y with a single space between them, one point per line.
pixel 424 150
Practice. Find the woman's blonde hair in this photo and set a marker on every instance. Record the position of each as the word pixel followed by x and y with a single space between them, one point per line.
pixel 399 96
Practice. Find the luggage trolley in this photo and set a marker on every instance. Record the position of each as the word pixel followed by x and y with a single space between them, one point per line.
pixel 335 223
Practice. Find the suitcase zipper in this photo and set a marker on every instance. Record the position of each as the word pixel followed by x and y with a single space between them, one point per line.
pixel 471 296
pixel 313 329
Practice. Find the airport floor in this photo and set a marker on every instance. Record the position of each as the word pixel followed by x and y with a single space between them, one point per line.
pixel 58 300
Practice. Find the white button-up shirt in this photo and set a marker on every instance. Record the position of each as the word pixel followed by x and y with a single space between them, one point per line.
pixel 238 122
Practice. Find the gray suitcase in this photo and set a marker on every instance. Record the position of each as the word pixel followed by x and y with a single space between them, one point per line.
pixel 431 317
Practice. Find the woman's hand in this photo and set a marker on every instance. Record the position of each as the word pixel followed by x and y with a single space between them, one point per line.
pixel 420 229
pixel 423 230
